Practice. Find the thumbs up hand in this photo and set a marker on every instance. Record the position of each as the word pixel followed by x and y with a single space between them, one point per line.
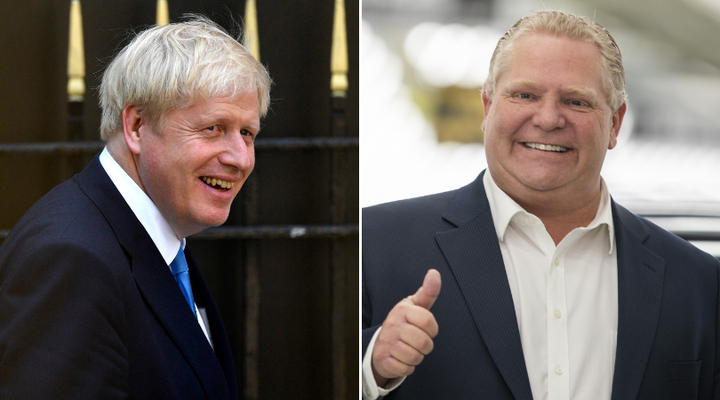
pixel 407 333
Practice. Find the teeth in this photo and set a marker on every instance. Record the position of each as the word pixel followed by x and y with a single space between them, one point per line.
pixel 546 147
pixel 217 182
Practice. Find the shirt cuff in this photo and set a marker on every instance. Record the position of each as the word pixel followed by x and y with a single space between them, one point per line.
pixel 371 391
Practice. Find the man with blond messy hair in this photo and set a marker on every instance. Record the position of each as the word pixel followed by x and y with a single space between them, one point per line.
pixel 99 298
pixel 550 289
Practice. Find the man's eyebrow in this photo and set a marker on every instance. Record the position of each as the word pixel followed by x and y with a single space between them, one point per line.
pixel 524 82
pixel 581 91
pixel 224 116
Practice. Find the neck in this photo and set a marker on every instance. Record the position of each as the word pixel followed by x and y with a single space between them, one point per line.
pixel 560 223
pixel 560 210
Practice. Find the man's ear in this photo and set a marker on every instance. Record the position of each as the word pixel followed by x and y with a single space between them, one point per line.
pixel 617 120
pixel 486 107
pixel 132 122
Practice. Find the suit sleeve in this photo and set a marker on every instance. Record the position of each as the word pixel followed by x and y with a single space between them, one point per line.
pixel 61 326
pixel 367 330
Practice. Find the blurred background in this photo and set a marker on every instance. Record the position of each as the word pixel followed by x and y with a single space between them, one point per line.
pixel 423 63
pixel 284 268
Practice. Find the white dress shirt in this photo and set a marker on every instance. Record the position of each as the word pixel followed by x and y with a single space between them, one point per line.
pixel 149 216
pixel 565 300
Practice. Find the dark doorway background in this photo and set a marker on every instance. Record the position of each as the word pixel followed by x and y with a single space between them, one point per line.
pixel 286 277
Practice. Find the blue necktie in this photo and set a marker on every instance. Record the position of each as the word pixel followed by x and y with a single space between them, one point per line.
pixel 180 272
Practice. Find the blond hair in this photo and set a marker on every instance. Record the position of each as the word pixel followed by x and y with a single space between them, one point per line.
pixel 567 25
pixel 177 65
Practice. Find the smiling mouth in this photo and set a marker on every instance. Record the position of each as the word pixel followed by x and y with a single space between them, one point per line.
pixel 217 184
pixel 546 147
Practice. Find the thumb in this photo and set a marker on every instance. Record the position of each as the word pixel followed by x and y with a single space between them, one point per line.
pixel 426 295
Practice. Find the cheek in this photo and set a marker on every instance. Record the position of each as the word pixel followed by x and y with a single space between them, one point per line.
pixel 180 155
pixel 182 164
pixel 150 168
pixel 251 157
pixel 508 119
pixel 604 136
pixel 187 158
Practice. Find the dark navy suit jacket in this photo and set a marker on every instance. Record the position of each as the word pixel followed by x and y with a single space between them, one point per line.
pixel 667 345
pixel 90 310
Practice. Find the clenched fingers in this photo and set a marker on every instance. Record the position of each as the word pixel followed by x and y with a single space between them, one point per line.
pixel 417 339
pixel 406 354
pixel 423 319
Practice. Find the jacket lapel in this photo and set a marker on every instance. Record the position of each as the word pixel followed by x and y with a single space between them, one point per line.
pixel 640 285
pixel 154 280
pixel 480 273
pixel 161 292
pixel 221 343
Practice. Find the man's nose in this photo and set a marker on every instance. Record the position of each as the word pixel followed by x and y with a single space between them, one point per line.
pixel 549 115
pixel 239 152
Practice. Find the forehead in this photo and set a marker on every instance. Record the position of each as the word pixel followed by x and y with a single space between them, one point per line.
pixel 543 58
pixel 244 106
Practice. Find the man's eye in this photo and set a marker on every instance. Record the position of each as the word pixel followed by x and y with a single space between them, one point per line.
pixel 245 132
pixel 577 103
pixel 524 95
pixel 211 128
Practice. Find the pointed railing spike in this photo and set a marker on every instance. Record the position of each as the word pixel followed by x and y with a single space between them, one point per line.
pixel 339 54
pixel 76 55
pixel 162 15
pixel 252 39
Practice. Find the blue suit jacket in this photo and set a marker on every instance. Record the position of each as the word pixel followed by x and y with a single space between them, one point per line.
pixel 667 346
pixel 90 310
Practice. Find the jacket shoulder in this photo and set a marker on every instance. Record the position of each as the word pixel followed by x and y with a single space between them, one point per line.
pixel 64 215
pixel 662 242
pixel 416 211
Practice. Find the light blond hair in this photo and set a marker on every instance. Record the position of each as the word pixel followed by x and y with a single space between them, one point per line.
pixel 177 65
pixel 566 25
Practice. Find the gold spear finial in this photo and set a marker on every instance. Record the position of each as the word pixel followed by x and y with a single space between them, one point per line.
pixel 162 15
pixel 76 55
pixel 251 29
pixel 338 55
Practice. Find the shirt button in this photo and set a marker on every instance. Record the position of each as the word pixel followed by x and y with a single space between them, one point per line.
pixel 367 392
pixel 558 370
pixel 531 220
pixel 557 261
pixel 558 314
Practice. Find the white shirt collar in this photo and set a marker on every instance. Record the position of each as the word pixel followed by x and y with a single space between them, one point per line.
pixel 503 209
pixel 144 209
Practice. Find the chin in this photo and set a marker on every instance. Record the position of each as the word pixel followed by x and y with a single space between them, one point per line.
pixel 213 222
pixel 212 218
pixel 543 177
